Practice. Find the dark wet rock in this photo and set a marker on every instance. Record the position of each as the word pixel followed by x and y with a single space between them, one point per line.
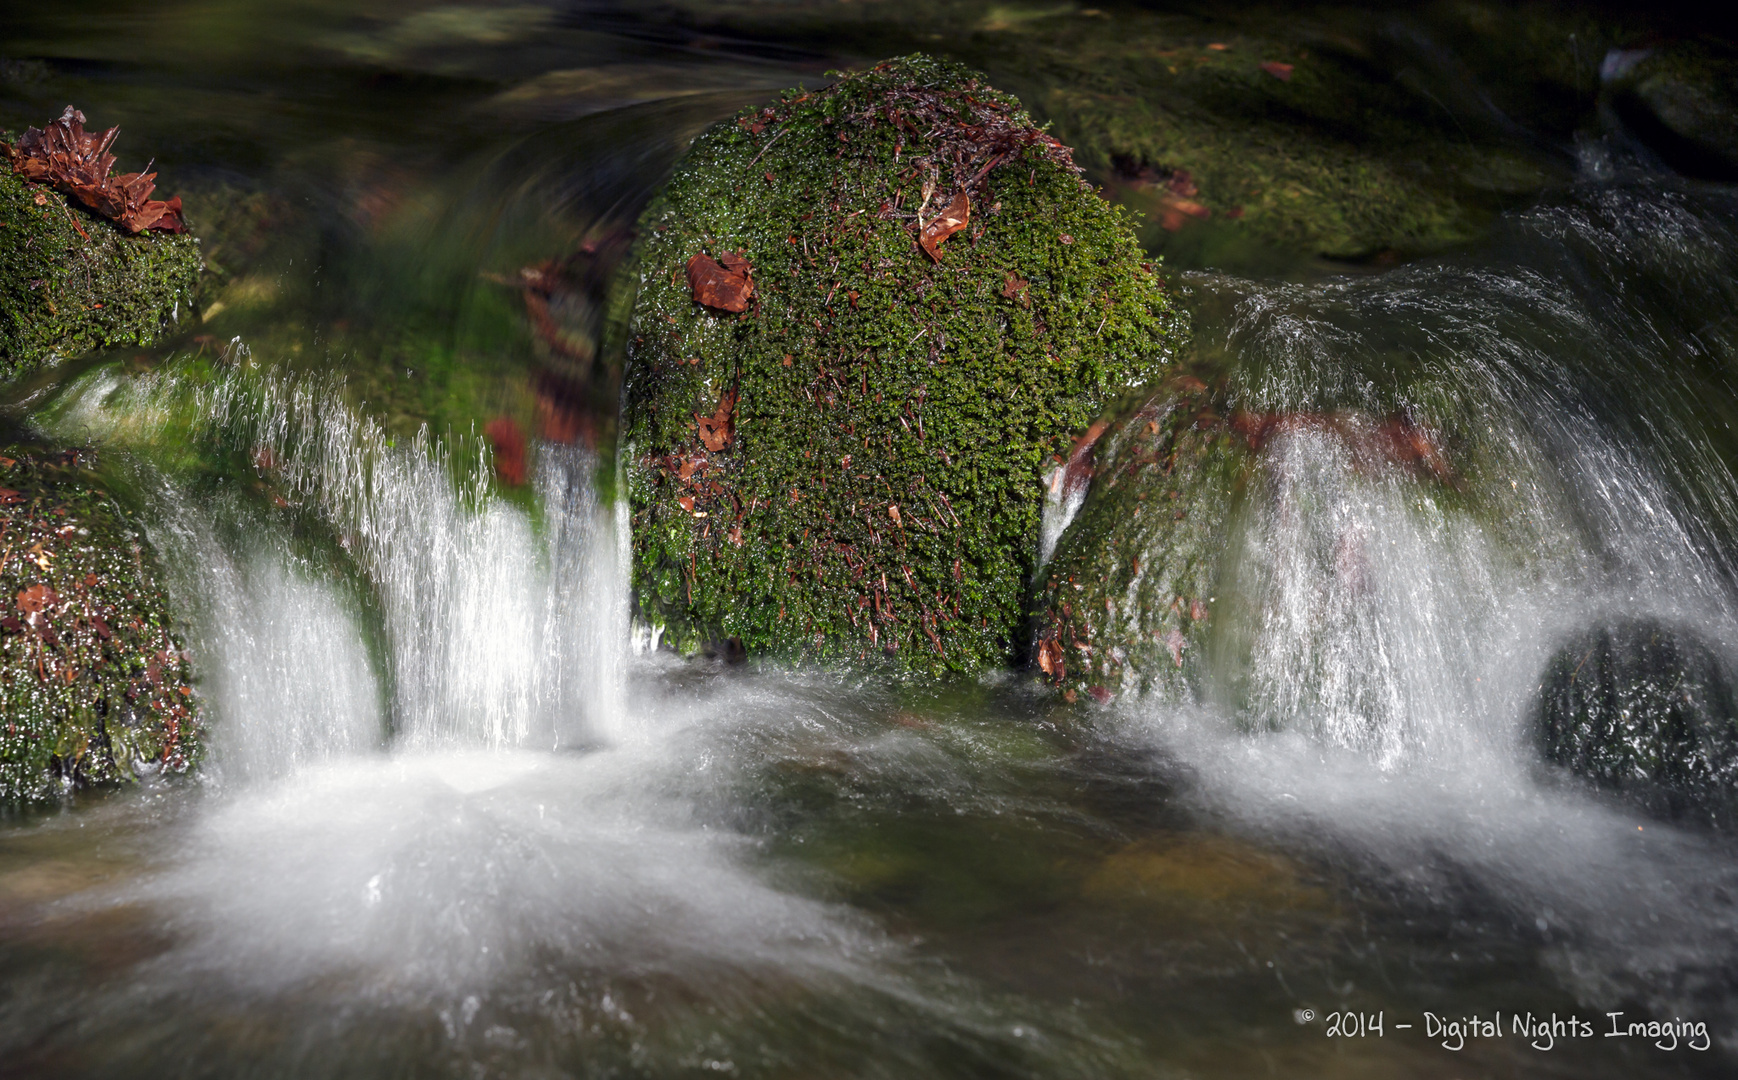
pixel 71 282
pixel 850 467
pixel 1645 709
pixel 94 687
pixel 1682 100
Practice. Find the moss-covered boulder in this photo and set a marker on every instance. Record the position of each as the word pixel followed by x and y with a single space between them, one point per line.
pixel 1124 602
pixel 94 687
pixel 840 455
pixel 1645 709
pixel 71 282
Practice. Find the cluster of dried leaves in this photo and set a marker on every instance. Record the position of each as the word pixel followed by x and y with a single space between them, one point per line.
pixel 77 164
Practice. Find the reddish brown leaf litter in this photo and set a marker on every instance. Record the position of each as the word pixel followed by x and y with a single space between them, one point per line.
pixel 1280 71
pixel 951 220
pixel 724 284
pixel 70 160
pixel 717 430
pixel 509 444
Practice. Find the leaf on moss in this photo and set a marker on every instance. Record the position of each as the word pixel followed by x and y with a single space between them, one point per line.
pixel 37 598
pixel 1050 658
pixel 8 497
pixel 725 284
pixel 70 160
pixel 717 430
pixel 945 224
pixel 1280 71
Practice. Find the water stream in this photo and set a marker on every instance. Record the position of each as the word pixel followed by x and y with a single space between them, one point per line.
pixel 454 821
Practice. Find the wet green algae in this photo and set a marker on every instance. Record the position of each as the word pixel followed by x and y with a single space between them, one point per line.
pixel 94 685
pixel 71 283
pixel 879 499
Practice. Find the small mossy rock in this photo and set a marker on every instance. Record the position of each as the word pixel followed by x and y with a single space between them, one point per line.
pixel 1125 602
pixel 94 687
pixel 850 469
pixel 1683 101
pixel 1643 708
pixel 71 282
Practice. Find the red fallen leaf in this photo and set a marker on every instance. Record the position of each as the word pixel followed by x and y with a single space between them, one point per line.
pixel 1099 694
pixel 1050 658
pixel 1218 46
pixel 1197 610
pixel 102 628
pixel 9 497
pixel 1014 288
pixel 735 535
pixel 65 157
pixel 1280 71
pixel 686 502
pixel 1174 642
pixel 944 225
pixel 893 512
pixel 36 598
pixel 724 284
pixel 509 443
pixel 717 430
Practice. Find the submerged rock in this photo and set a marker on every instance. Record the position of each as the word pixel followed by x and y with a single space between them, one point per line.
pixel 868 317
pixel 71 282
pixel 94 687
pixel 1645 709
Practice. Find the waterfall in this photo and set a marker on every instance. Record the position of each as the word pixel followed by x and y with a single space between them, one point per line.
pixel 498 627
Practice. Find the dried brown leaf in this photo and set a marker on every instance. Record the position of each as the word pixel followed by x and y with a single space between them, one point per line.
pixel 717 430
pixel 951 220
pixel 724 284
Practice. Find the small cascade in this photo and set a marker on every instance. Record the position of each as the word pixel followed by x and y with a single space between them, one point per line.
pixel 498 629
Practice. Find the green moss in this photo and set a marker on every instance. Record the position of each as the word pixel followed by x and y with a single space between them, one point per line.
pixel 94 687
pixel 1682 100
pixel 64 291
pixel 894 415
pixel 1126 601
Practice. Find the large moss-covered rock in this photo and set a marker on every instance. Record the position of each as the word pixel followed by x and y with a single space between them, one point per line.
pixel 94 688
pixel 71 282
pixel 851 467
pixel 1645 709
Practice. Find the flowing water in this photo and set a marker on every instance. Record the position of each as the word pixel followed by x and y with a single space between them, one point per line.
pixel 457 820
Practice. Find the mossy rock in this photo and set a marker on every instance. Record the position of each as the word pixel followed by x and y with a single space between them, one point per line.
pixel 1290 133
pixel 1647 710
pixel 1682 100
pixel 71 282
pixel 875 491
pixel 94 686
pixel 1125 602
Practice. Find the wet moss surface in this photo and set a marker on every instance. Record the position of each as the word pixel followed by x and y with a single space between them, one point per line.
pixel 94 686
pixel 1124 603
pixel 850 469
pixel 71 283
